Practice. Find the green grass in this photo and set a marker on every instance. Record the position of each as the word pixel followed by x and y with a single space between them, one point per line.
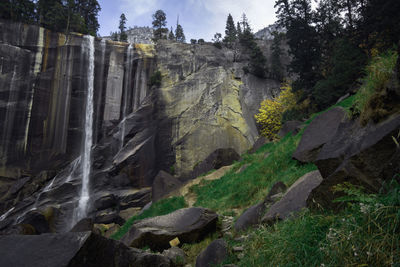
pixel 158 208
pixel 378 73
pixel 364 234
pixel 252 185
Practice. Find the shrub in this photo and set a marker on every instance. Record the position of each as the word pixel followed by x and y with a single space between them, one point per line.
pixel 271 111
pixel 200 41
pixel 155 79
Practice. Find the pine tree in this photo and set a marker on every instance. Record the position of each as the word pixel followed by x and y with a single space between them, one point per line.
pixel 159 23
pixel 179 35
pixel 238 30
pixel 122 34
pixel 18 10
pixel 171 35
pixel 230 31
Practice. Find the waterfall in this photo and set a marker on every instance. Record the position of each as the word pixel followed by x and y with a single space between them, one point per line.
pixel 86 161
pixel 128 71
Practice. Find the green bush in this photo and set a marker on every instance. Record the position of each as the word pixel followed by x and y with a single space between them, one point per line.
pixel 155 79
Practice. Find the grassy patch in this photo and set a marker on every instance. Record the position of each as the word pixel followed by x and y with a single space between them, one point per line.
pixel 370 98
pixel 252 185
pixel 366 233
pixel 193 250
pixel 158 208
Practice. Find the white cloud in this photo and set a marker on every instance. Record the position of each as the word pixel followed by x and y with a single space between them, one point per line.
pixel 138 7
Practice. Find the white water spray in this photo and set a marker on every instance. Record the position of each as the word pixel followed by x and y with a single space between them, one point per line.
pixel 86 161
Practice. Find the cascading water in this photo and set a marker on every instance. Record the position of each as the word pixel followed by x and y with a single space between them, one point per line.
pixel 128 71
pixel 81 211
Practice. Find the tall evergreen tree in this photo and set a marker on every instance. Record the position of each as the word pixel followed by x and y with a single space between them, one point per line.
pixel 122 34
pixel 18 10
pixel 238 30
pixel 171 35
pixel 179 35
pixel 230 31
pixel 159 23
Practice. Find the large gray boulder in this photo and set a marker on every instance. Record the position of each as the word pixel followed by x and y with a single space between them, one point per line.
pixel 213 255
pixel 163 184
pixel 294 199
pixel 365 156
pixel 73 250
pixel 189 225
pixel 319 132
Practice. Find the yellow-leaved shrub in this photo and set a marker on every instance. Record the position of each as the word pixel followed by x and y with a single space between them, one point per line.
pixel 271 110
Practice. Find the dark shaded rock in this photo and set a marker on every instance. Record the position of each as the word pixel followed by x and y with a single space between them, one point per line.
pixel 84 225
pixel 134 199
pixel 37 221
pixel 294 199
pixel 213 255
pixel 72 249
pixel 217 159
pixel 258 144
pixel 19 229
pixel 278 187
pixel 105 202
pixel 250 217
pixel 365 156
pixel 189 225
pixel 176 255
pixel 19 184
pixel 289 126
pixel 320 131
pixel 163 184
pixel 107 217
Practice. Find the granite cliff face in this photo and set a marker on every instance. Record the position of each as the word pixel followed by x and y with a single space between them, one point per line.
pixel 205 102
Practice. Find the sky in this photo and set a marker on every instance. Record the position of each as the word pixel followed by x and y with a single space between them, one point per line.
pixel 199 18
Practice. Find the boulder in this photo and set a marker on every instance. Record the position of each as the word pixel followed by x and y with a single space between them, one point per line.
pixel 213 255
pixel 365 156
pixel 84 225
pixel 277 188
pixel 73 249
pixel 37 220
pixel 105 202
pixel 134 198
pixel 108 216
pixel 176 255
pixel 294 199
pixel 217 159
pixel 320 131
pixel 163 184
pixel 189 225
pixel 258 144
pixel 250 217
pixel 289 126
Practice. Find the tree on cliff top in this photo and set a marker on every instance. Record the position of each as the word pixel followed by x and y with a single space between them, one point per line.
pixel 122 34
pixel 179 35
pixel 171 35
pixel 230 31
pixel 159 23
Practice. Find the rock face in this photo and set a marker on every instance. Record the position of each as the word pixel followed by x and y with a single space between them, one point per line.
pixel 319 132
pixel 294 199
pixel 213 255
pixel 363 156
pixel 73 249
pixel 289 126
pixel 205 102
pixel 189 225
